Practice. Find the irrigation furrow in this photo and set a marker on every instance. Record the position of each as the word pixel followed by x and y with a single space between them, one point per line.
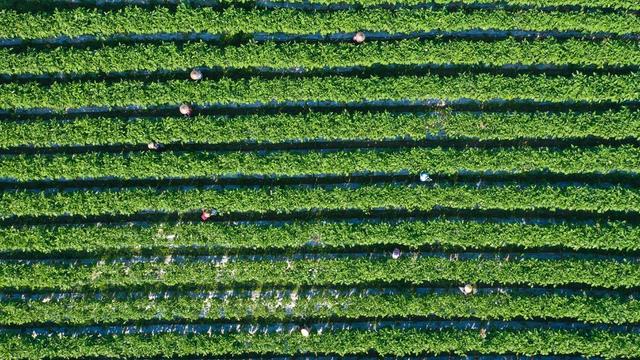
pixel 85 41
pixel 249 145
pixel 296 107
pixel 378 71
pixel 311 292
pixel 221 260
pixel 315 328
pixel 311 250
pixel 540 216
pixel 479 179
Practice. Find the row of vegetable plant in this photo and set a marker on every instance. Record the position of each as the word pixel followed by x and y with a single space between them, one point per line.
pixel 286 200
pixel 314 126
pixel 235 21
pixel 185 309
pixel 357 271
pixel 319 56
pixel 222 237
pixel 478 87
pixel 383 342
pixel 609 4
pixel 145 165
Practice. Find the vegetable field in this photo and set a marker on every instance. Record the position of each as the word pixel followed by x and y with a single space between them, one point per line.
pixel 319 179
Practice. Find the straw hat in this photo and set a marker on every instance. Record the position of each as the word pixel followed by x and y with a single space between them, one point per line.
pixel 359 37
pixel 195 74
pixel 185 110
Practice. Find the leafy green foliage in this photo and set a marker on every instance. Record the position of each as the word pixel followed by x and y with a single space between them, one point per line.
pixel 320 307
pixel 383 342
pixel 284 163
pixel 614 4
pixel 288 199
pixel 87 262
pixel 234 21
pixel 318 56
pixel 203 129
pixel 410 270
pixel 480 87
pixel 220 238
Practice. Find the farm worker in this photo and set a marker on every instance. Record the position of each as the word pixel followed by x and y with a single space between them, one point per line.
pixel 154 146
pixel 195 75
pixel 395 254
pixel 206 214
pixel 424 177
pixel 305 332
pixel 467 289
pixel 359 37
pixel 185 110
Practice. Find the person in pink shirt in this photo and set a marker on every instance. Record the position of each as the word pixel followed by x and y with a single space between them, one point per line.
pixel 206 214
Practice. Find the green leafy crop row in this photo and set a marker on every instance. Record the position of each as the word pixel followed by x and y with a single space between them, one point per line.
pixel 317 56
pixel 292 163
pixel 317 272
pixel 318 126
pixel 222 238
pixel 481 87
pixel 383 342
pixel 614 4
pixel 288 199
pixel 278 128
pixel 233 21
pixel 292 307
